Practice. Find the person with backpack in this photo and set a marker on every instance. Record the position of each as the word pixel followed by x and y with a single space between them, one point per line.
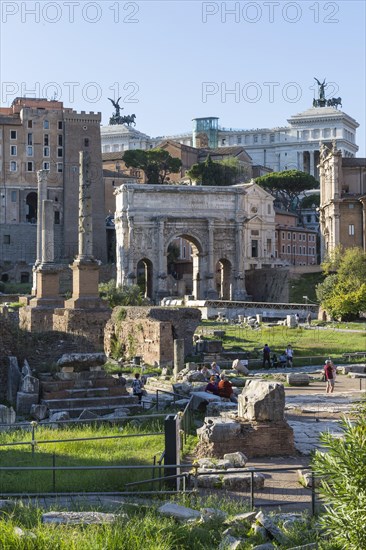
pixel 138 387
pixel 329 376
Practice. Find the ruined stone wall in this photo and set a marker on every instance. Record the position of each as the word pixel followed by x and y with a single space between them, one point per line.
pixel 268 285
pixel 150 331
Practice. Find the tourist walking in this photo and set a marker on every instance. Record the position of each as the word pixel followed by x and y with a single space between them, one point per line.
pixel 329 376
pixel 266 356
pixel 290 356
pixel 138 387
pixel 308 318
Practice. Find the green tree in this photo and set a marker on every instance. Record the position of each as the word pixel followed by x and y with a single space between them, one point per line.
pixel 287 186
pixel 343 482
pixel 127 295
pixel 214 173
pixel 343 292
pixel 156 164
pixel 310 201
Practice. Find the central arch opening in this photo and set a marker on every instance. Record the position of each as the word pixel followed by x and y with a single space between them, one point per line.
pixel 184 255
pixel 223 279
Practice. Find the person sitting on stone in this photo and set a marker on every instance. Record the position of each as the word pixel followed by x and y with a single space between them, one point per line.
pixel 282 359
pixel 226 389
pixel 205 372
pixel 215 369
pixel 212 386
pixel 274 361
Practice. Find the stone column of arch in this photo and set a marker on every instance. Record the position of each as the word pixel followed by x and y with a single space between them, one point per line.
pixel 210 274
pixel 161 290
pixel 239 291
pixel 131 269
pixel 42 180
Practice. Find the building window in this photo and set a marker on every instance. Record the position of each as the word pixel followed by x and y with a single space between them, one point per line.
pixel 13 196
pixel 254 248
pixel 30 166
pixel 60 140
pixel 283 249
pixel 60 167
pixel 272 138
pixel 46 125
pixel 30 123
pixel 30 139
pixel 293 236
pixel 283 235
pixel 29 151
pixel 6 239
pixel 269 246
pixel 59 152
pixel 13 134
pixel 46 166
pixel 46 151
pixel 351 230
pixel 13 166
pixel 294 249
pixel 255 139
pixel 13 150
pixel 60 125
pixel 239 140
pixel 289 236
pixel 46 140
pixel 350 206
pixel 86 142
pixel 57 217
pixel 269 208
pixel 288 249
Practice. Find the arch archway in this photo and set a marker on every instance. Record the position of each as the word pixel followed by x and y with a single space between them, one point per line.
pixel 145 277
pixel 31 202
pixel 187 266
pixel 223 279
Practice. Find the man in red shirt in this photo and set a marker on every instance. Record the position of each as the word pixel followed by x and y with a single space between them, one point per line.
pixel 226 389
pixel 329 377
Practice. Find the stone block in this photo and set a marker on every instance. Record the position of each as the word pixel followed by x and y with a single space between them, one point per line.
pixel 7 415
pixel 219 431
pixel 262 401
pixel 79 518
pixel 62 415
pixel 88 415
pixel 215 408
pixel 274 531
pixel 298 379
pixel 240 518
pixel 196 376
pixel 209 481
pixel 25 402
pixel 81 361
pixel 29 384
pixel 238 460
pixel 178 512
pixel 26 370
pixel 212 346
pixel 39 412
pixel 200 399
pixel 13 380
pixel 241 365
pixel 230 543
pixel 242 482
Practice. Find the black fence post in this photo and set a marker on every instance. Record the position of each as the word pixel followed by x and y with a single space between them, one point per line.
pixel 252 490
pixel 172 448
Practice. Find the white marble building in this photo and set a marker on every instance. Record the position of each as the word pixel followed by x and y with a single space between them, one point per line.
pixel 295 146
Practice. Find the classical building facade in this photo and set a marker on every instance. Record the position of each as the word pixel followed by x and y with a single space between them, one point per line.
pixel 295 146
pixel 37 134
pixel 229 229
pixel 342 200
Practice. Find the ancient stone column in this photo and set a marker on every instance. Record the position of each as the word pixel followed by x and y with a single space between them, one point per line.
pixel 131 275
pixel 178 356
pixel 48 246
pixel 85 208
pixel 162 275
pixel 42 178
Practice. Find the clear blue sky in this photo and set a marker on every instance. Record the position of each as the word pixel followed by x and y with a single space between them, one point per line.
pixel 172 61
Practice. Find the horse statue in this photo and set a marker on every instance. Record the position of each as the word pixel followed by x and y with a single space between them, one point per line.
pixel 334 102
pixel 129 119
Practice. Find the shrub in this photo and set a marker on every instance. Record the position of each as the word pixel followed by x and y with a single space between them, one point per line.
pixel 122 296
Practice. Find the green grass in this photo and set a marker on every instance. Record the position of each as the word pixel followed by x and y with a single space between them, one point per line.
pixel 141 528
pixel 112 452
pixel 306 343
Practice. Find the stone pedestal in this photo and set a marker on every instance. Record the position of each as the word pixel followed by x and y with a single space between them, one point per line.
pixel 85 279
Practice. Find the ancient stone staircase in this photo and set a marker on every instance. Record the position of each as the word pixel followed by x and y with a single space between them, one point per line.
pixel 95 391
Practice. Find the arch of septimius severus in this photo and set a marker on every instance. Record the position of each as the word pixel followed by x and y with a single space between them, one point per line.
pixel 230 229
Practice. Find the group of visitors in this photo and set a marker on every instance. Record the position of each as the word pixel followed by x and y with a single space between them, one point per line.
pixel 286 359
pixel 218 383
